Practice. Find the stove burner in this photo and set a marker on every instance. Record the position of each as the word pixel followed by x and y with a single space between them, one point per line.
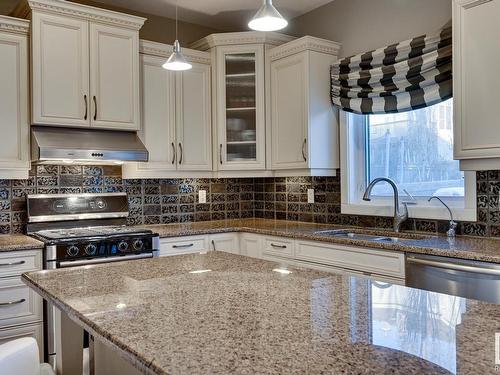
pixel 60 234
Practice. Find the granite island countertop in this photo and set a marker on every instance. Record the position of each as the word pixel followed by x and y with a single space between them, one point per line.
pixel 241 317
pixel 18 242
pixel 463 247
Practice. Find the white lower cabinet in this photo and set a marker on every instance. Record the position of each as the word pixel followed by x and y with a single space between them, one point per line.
pixel 228 242
pixel 21 308
pixel 183 245
pixel 382 265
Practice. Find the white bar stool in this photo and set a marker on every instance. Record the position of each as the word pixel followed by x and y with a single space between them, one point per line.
pixel 20 357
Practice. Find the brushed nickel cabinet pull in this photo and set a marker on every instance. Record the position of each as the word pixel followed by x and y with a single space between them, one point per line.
pixel 213 245
pixel 86 107
pixel 95 108
pixel 278 246
pixel 303 149
pixel 12 263
pixel 182 153
pixel 220 153
pixel 6 304
pixel 183 246
pixel 174 151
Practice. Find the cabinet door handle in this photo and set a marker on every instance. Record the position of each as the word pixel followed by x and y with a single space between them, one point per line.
pixel 183 246
pixel 303 149
pixel 278 246
pixel 12 263
pixel 6 304
pixel 213 245
pixel 181 152
pixel 220 153
pixel 95 108
pixel 174 151
pixel 86 107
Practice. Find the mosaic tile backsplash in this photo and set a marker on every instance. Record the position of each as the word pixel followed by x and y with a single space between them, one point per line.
pixel 155 201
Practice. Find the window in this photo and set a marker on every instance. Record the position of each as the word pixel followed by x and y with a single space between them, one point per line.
pixel 415 149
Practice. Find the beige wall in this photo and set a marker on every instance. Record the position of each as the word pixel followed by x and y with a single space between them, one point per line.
pixel 161 29
pixel 363 25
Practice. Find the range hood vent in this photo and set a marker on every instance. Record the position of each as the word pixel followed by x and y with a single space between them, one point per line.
pixel 53 145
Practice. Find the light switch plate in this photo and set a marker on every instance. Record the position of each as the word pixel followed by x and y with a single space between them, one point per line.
pixel 202 196
pixel 310 195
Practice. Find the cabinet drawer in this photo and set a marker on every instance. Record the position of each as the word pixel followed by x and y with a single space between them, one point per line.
pixel 19 304
pixel 31 330
pixel 183 245
pixel 278 247
pixel 17 262
pixel 353 258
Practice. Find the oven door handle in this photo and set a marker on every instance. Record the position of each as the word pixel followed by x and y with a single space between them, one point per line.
pixel 86 262
pixel 454 266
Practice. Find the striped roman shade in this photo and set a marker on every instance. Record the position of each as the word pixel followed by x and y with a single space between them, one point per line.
pixel 405 76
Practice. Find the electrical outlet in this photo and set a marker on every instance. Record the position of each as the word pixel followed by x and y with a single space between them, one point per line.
pixel 310 195
pixel 202 196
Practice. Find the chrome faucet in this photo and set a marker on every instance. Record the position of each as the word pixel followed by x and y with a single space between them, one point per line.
pixel 399 217
pixel 452 230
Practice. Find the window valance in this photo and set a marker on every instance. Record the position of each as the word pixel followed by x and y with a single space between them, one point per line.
pixel 404 76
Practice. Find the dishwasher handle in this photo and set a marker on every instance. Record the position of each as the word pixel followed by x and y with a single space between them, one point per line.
pixel 455 266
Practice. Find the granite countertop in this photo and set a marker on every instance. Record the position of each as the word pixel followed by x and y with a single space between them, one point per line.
pixel 16 242
pixel 463 247
pixel 241 317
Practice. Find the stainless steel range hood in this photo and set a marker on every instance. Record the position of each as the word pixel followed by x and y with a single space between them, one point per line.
pixel 52 144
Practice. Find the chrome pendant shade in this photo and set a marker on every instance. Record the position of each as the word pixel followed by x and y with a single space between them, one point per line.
pixel 177 61
pixel 267 18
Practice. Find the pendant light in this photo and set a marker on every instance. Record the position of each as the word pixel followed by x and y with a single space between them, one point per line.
pixel 267 18
pixel 177 61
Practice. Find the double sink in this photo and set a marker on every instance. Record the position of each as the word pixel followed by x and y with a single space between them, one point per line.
pixel 356 235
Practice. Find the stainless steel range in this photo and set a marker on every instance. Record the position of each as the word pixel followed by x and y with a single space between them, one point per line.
pixel 84 229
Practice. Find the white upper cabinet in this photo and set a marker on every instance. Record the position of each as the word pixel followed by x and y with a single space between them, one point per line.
pixel 240 99
pixel 304 123
pixel 85 65
pixel 476 32
pixel 60 70
pixel 176 116
pixel 114 77
pixel 14 94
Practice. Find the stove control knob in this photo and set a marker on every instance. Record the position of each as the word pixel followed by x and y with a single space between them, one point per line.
pixel 138 245
pixel 100 204
pixel 90 249
pixel 123 246
pixel 72 250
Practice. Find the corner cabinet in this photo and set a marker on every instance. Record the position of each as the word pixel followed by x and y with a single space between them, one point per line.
pixel 85 65
pixel 304 123
pixel 176 116
pixel 239 91
pixel 476 32
pixel 14 99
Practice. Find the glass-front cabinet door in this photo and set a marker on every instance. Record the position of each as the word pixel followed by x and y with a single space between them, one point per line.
pixel 240 107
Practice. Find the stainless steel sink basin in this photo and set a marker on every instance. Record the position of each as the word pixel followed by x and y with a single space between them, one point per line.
pixel 343 233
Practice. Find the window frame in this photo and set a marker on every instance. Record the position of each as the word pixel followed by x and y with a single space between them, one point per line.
pixel 353 174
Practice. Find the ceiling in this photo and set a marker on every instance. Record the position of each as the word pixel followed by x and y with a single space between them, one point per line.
pixel 219 14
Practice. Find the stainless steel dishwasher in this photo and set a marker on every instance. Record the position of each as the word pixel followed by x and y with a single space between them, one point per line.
pixel 458 277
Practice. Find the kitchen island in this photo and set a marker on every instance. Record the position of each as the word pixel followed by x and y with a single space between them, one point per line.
pixel 219 313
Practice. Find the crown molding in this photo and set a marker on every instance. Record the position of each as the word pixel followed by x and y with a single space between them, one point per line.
pixel 80 11
pixel 164 50
pixel 241 38
pixel 467 4
pixel 14 25
pixel 306 43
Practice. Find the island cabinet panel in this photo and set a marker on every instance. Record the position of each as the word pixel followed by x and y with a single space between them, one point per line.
pixel 183 245
pixel 476 32
pixel 60 71
pixel 14 99
pixel 367 261
pixel 114 77
pixel 227 242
